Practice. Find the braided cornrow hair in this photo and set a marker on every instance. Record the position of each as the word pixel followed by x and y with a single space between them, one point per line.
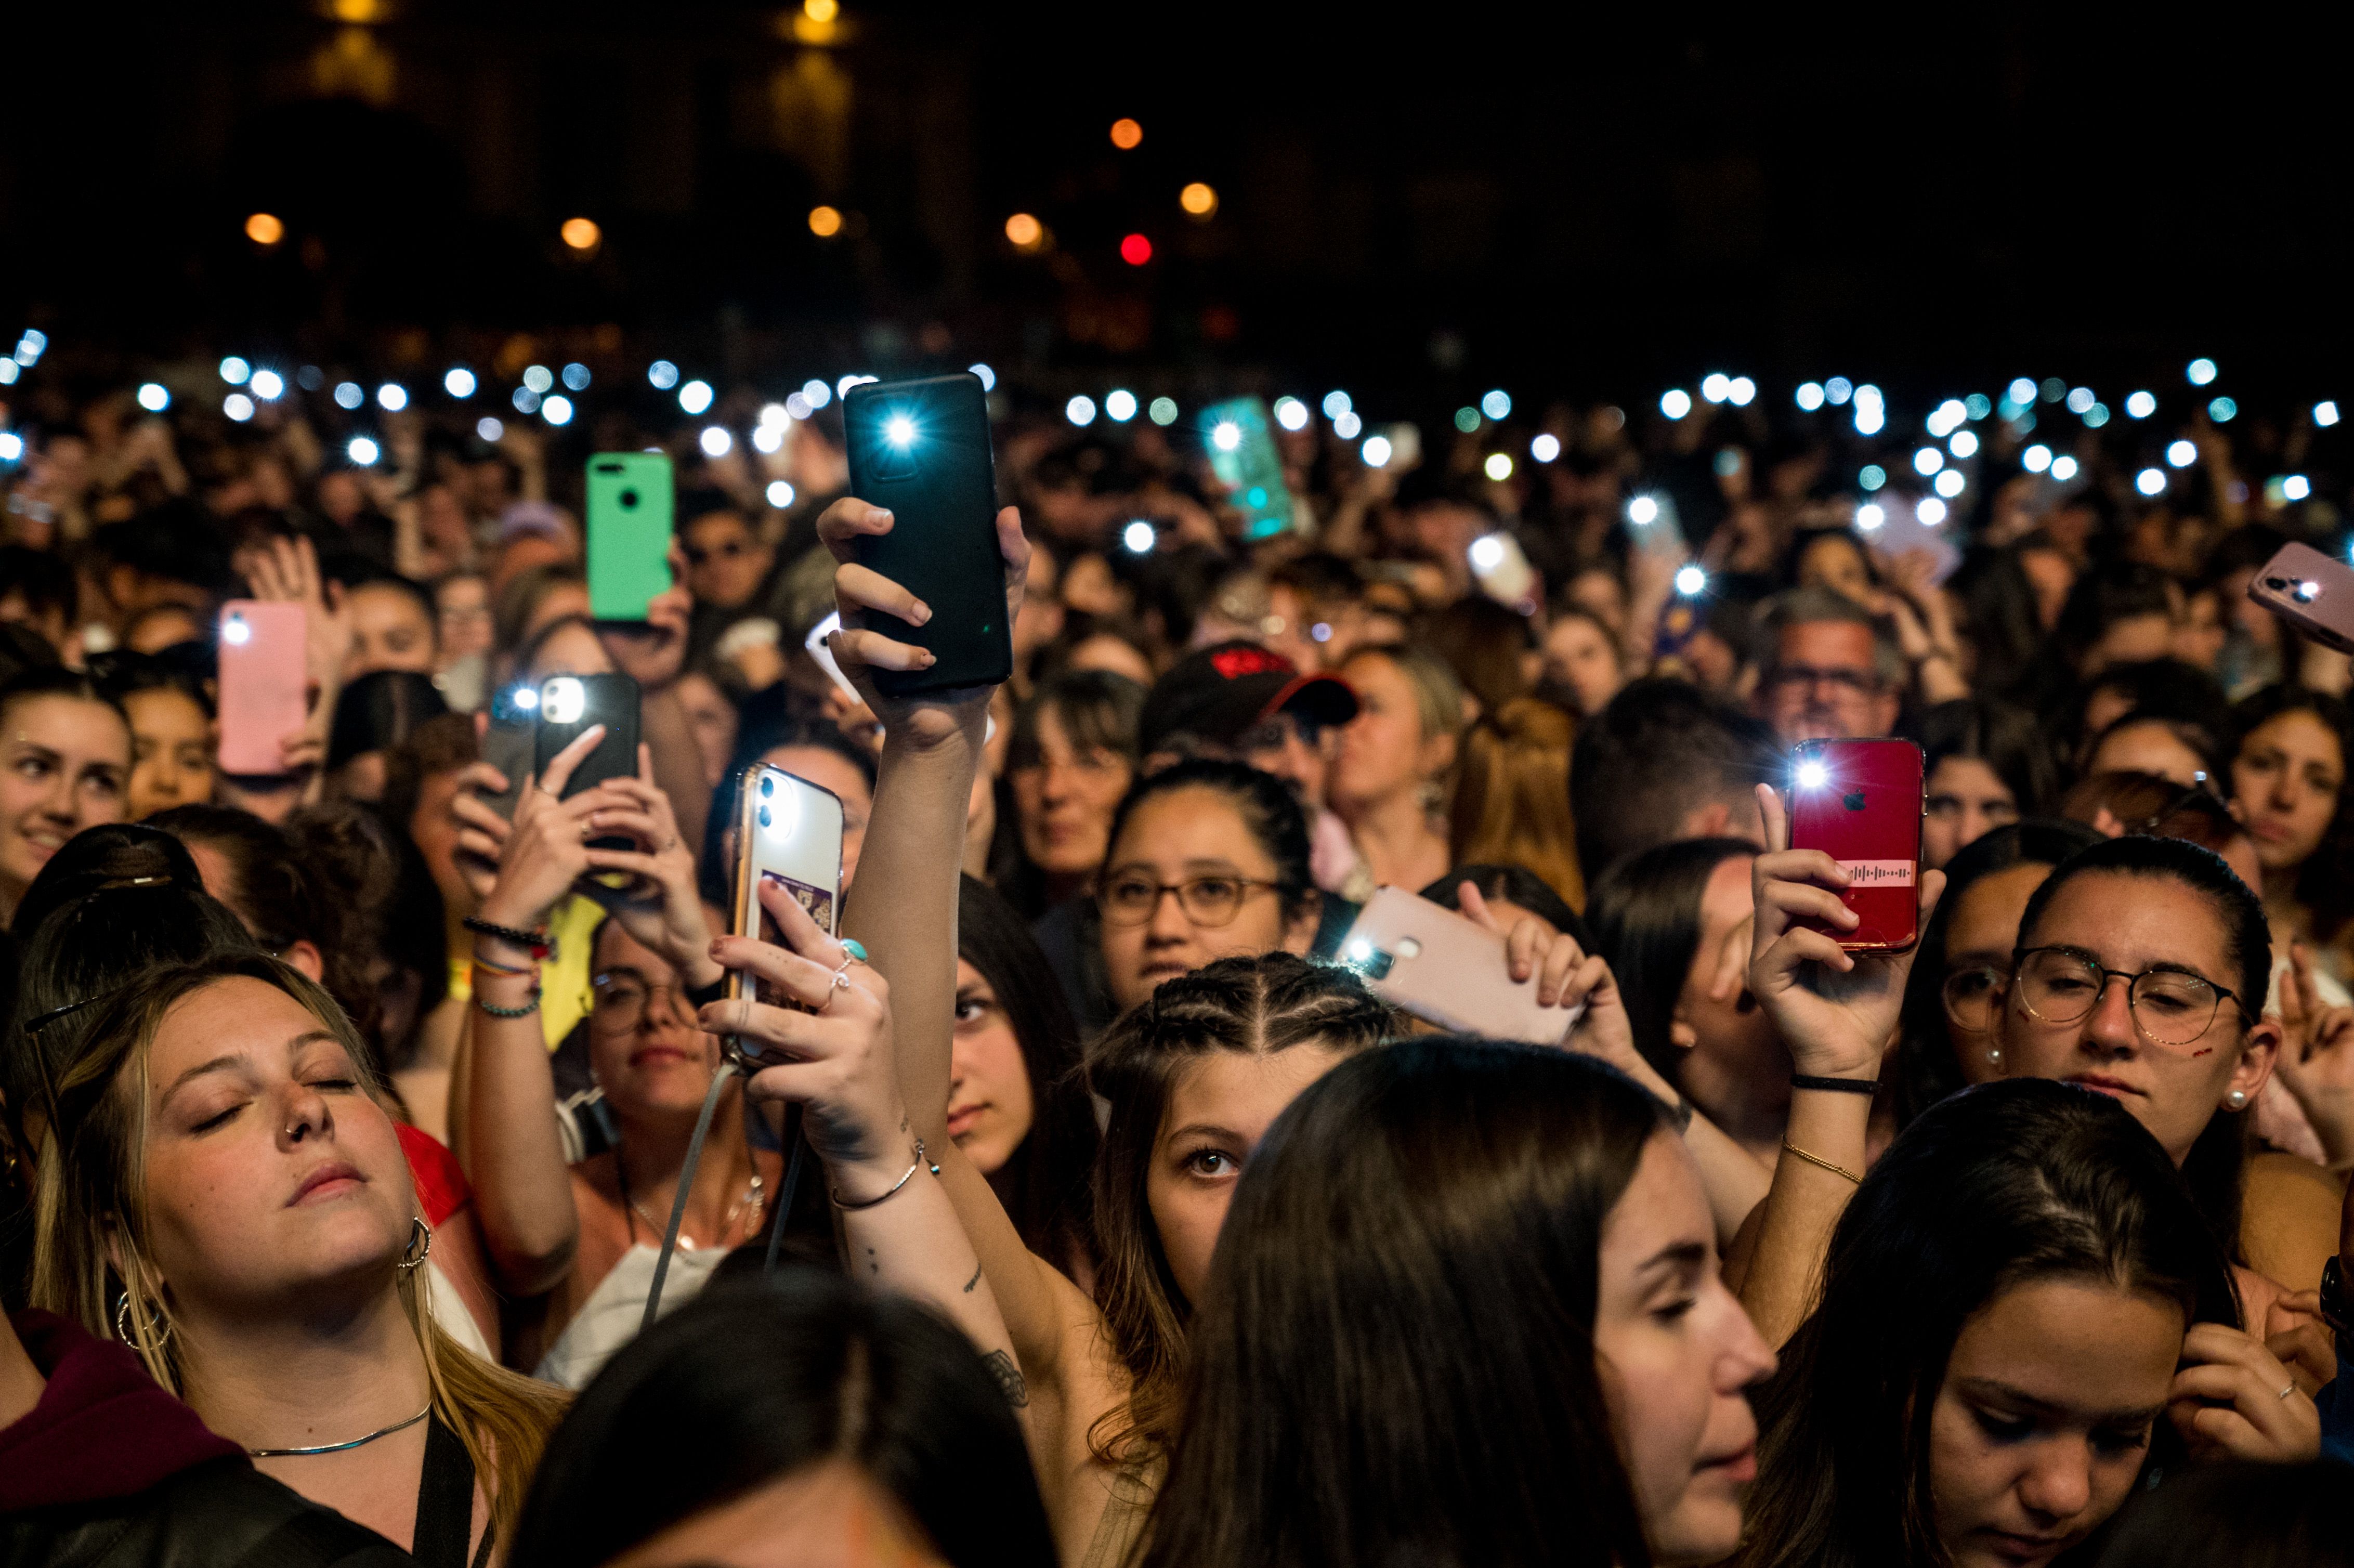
pixel 1252 1006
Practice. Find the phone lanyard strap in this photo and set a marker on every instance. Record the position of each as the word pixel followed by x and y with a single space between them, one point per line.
pixel 686 1189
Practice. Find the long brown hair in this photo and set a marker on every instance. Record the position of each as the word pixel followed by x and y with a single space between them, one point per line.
pixel 91 1189
pixel 1511 795
pixel 1253 1006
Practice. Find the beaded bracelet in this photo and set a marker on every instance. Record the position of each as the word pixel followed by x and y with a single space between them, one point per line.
pixel 538 944
pixel 525 1011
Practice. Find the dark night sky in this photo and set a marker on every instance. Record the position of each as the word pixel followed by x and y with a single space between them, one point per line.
pixel 1598 200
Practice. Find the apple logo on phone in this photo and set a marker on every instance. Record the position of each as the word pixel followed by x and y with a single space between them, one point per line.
pixel 1852 799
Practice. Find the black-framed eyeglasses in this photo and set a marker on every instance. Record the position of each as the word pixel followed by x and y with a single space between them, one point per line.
pixel 1845 682
pixel 1129 898
pixel 2169 1006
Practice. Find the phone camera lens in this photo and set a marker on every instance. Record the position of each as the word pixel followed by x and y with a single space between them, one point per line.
pixel 628 499
pixel 764 816
pixel 767 787
pixel 2277 584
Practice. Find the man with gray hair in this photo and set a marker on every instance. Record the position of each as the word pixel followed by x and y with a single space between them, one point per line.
pixel 1829 674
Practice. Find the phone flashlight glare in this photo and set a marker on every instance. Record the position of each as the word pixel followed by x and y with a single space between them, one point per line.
pixel 563 699
pixel 235 630
pixel 778 817
pixel 1813 775
pixel 899 430
pixel 527 699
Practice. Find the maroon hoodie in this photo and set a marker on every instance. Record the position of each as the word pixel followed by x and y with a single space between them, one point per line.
pixel 103 1429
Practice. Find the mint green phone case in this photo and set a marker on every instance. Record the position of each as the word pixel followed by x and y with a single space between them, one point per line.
pixel 629 532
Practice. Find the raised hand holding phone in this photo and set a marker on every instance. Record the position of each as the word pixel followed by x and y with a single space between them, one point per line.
pixel 547 850
pixel 1836 1010
pixel 860 648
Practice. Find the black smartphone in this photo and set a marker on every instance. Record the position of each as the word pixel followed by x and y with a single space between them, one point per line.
pixel 921 450
pixel 511 744
pixel 569 705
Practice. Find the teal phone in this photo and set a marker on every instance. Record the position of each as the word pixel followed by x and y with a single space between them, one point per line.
pixel 629 532
pixel 1243 456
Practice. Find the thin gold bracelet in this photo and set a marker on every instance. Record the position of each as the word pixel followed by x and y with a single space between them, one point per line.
pixel 1790 1148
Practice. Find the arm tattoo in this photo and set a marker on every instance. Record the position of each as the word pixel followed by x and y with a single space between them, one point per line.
pixel 1001 1366
pixel 973 1281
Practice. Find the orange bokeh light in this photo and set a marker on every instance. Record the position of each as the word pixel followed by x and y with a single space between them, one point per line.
pixel 1198 199
pixel 264 228
pixel 1126 133
pixel 825 222
pixel 1025 231
pixel 580 233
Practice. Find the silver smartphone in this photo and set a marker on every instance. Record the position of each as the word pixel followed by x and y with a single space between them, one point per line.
pixel 788 833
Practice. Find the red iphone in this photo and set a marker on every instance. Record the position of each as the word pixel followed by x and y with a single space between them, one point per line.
pixel 1860 802
pixel 262 682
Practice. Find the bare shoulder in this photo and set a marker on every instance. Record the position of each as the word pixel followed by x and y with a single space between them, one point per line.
pixel 2289 1216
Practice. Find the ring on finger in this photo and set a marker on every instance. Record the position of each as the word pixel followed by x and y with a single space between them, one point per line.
pixel 839 980
pixel 2286 1391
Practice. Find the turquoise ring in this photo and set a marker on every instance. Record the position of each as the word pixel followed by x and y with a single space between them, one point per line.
pixel 855 949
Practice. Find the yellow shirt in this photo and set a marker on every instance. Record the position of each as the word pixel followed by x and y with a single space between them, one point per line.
pixel 564 993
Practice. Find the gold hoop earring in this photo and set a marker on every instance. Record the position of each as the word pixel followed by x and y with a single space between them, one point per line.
pixel 420 1241
pixel 159 1327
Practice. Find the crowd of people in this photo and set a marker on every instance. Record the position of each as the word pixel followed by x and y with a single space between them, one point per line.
pixel 1081 1200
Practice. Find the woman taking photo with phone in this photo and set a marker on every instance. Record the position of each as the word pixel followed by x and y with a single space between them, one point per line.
pixel 580 1242
pixel 1994 1363
pixel 2139 971
pixel 1226 1030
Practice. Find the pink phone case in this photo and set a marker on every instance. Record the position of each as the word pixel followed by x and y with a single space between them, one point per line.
pixel 261 681
pixel 2311 591
pixel 1429 960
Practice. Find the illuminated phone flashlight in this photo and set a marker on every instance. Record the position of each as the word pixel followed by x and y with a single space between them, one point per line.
pixel 1138 536
pixel 1691 582
pixel 563 699
pixel 1487 552
pixel 235 630
pixel 1226 436
pixel 1642 510
pixel 1813 774
pixel 786 814
pixel 2307 590
pixel 527 699
pixel 899 430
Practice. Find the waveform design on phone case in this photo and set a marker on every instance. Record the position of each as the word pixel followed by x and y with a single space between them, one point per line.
pixel 1878 873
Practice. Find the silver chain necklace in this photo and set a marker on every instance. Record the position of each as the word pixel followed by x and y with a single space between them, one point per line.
pixel 339 1447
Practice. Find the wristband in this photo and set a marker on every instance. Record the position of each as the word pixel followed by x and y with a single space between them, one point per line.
pixel 1837 1085
pixel 508 971
pixel 538 944
pixel 525 1011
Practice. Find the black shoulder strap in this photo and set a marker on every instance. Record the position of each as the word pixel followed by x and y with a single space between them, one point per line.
pixel 445 1501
